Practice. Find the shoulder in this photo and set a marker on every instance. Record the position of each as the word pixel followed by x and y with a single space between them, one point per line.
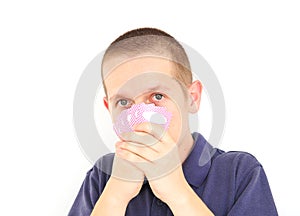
pixel 101 170
pixel 236 163
pixel 235 158
pixel 92 186
pixel 247 181
pixel 104 163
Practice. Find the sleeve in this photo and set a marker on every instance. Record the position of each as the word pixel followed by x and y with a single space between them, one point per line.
pixel 92 186
pixel 88 194
pixel 253 195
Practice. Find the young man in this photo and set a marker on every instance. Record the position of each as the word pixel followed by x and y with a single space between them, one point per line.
pixel 158 168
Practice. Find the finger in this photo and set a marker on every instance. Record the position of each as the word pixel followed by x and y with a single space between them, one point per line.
pixel 155 130
pixel 125 170
pixel 131 156
pixel 140 138
pixel 147 152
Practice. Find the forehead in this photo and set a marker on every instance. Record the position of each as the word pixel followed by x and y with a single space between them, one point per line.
pixel 138 72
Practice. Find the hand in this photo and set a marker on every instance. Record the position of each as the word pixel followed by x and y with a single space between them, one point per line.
pixel 126 179
pixel 153 151
pixel 125 183
pixel 157 155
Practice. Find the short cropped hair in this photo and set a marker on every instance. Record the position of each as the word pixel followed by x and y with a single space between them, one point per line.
pixel 149 42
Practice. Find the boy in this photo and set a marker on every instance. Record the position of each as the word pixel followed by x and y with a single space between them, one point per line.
pixel 156 169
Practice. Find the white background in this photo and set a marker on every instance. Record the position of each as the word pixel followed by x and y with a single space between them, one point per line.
pixel 252 46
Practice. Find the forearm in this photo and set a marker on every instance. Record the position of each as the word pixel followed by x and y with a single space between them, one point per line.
pixel 109 204
pixel 188 203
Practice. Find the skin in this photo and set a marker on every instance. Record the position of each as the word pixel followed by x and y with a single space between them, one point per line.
pixel 138 160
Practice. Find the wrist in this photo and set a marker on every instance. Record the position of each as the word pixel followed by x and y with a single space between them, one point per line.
pixel 193 205
pixel 179 196
pixel 108 201
pixel 114 195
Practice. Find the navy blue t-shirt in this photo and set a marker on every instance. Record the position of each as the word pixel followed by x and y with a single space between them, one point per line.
pixel 229 183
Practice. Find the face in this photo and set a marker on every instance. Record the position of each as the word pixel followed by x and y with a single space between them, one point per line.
pixel 150 80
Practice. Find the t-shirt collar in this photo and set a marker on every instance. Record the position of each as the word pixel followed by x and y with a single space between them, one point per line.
pixel 197 164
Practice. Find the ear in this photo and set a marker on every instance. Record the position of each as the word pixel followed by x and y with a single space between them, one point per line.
pixel 105 101
pixel 194 94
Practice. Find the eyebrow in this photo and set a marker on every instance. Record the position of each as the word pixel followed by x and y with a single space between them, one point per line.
pixel 151 89
pixel 116 96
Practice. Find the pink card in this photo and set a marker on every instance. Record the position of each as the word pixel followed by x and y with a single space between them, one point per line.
pixel 139 113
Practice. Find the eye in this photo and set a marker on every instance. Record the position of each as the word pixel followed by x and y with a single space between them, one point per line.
pixel 123 103
pixel 157 97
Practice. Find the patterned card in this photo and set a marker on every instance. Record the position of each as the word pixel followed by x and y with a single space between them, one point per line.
pixel 139 113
